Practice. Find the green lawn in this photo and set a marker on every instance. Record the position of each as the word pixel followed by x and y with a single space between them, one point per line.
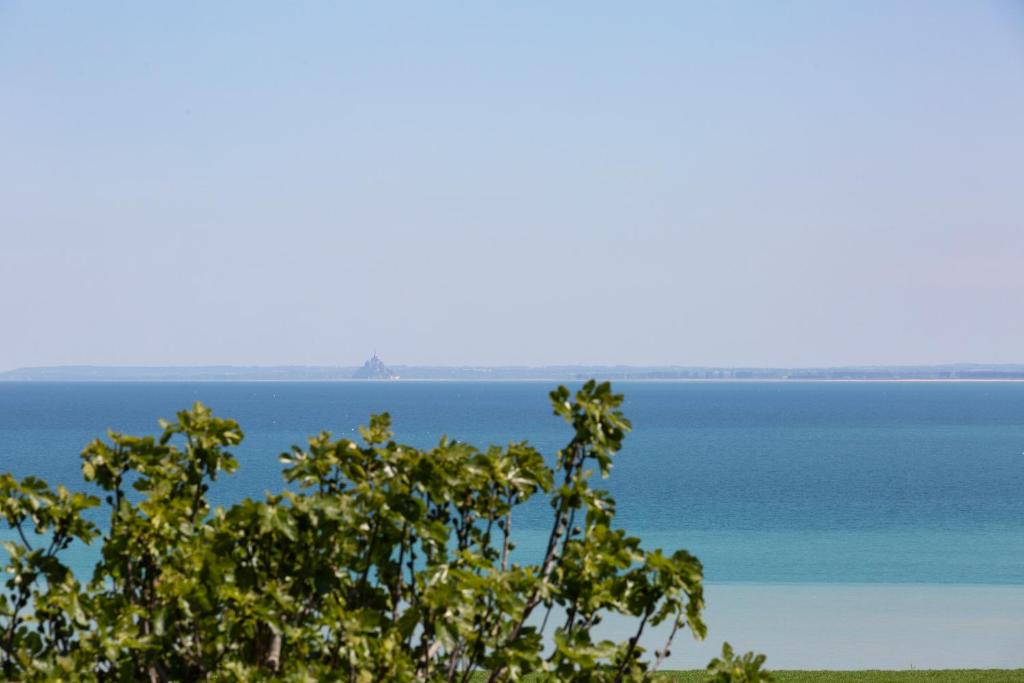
pixel 946 676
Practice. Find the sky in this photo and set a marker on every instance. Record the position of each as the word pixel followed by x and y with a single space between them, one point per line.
pixel 686 183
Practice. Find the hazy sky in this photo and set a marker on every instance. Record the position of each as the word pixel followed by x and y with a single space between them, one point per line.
pixel 761 183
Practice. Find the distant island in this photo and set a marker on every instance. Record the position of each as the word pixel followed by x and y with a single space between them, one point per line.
pixel 375 369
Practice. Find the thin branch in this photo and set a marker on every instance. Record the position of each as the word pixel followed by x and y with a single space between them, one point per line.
pixel 664 652
pixel 396 591
pixel 548 566
pixel 632 646
pixel 507 530
pixel 544 623
pixel 453 661
pixel 22 534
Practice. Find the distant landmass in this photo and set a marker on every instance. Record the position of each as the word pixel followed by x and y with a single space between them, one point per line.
pixel 375 369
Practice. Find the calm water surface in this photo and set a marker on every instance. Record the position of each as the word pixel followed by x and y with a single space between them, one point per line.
pixel 767 482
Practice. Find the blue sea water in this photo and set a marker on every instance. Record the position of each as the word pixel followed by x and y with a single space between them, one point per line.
pixel 841 525
pixel 882 482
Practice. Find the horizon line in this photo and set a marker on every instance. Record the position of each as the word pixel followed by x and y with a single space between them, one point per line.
pixel 526 366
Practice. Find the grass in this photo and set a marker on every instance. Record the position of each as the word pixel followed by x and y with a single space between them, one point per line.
pixel 942 676
pixel 917 676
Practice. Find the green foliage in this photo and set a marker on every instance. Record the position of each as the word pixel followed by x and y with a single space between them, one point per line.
pixel 729 667
pixel 381 562
pixel 876 676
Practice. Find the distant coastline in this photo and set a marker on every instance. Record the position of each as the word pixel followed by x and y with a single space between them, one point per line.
pixel 299 373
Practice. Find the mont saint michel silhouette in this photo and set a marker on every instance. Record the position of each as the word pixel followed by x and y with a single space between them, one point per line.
pixel 374 368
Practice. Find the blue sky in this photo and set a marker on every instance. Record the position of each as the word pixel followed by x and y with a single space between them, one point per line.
pixel 786 183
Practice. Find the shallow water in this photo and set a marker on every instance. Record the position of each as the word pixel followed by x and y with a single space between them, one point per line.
pixel 856 626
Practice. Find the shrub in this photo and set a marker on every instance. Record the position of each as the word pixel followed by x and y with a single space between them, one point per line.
pixel 381 562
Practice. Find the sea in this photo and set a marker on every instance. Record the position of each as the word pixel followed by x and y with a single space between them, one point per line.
pixel 842 525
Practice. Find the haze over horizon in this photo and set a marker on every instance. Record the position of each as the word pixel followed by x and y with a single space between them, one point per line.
pixel 793 184
pixel 400 365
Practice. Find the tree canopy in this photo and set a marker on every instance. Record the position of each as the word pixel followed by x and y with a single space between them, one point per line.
pixel 376 562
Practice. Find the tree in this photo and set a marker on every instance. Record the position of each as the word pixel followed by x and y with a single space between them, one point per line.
pixel 380 562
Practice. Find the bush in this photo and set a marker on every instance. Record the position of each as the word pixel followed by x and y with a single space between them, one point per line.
pixel 381 562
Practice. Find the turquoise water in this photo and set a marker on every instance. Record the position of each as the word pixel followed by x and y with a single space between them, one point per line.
pixel 767 482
